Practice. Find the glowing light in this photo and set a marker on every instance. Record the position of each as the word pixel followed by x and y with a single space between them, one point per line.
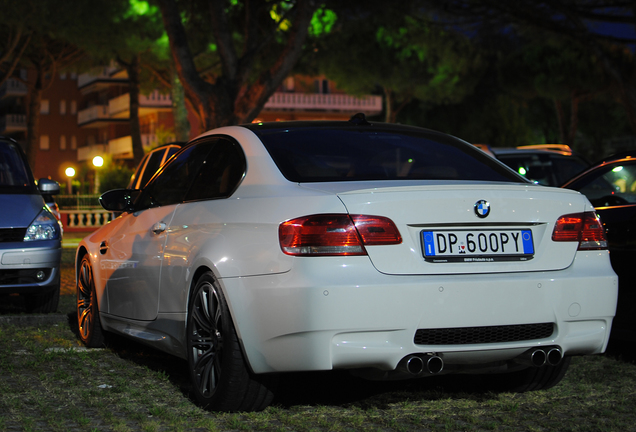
pixel 617 169
pixel 522 171
pixel 70 172
pixel 98 161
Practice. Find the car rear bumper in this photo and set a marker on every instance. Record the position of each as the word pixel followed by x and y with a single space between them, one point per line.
pixel 29 269
pixel 329 313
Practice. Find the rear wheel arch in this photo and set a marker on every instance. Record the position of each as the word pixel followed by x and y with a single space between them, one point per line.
pixel 200 271
pixel 220 373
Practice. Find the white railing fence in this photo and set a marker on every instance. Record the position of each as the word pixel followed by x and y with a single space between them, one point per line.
pixel 84 220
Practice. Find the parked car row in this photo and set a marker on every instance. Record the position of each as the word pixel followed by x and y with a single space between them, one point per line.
pixel 391 251
pixel 394 252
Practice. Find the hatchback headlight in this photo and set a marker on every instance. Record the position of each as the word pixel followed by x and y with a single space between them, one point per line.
pixel 44 227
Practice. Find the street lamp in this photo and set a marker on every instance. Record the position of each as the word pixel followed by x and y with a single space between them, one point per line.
pixel 70 173
pixel 98 162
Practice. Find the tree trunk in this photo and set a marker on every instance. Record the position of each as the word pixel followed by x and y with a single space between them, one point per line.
pixel 388 105
pixel 624 78
pixel 241 91
pixel 574 120
pixel 558 107
pixel 132 68
pixel 33 117
pixel 179 111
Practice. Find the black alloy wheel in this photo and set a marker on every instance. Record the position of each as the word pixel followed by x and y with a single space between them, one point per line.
pixel 90 328
pixel 220 377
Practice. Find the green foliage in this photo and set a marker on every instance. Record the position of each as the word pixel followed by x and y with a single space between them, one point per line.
pixel 552 68
pixel 322 22
pixel 402 57
pixel 114 175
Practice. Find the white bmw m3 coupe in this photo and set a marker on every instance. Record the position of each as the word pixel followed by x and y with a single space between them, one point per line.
pixel 391 251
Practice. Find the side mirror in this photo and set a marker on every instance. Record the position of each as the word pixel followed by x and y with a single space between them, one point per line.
pixel 49 187
pixel 119 200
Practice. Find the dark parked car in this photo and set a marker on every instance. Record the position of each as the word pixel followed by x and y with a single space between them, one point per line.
pixel 151 162
pixel 30 235
pixel 611 188
pixel 546 164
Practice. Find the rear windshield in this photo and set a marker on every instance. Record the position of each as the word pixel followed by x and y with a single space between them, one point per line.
pixel 14 175
pixel 361 153
pixel 545 169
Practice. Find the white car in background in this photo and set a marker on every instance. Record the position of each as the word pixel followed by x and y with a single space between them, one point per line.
pixel 391 251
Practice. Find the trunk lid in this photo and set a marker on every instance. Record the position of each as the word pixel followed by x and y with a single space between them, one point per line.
pixel 443 210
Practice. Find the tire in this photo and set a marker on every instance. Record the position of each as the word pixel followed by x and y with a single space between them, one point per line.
pixel 537 378
pixel 220 377
pixel 89 325
pixel 43 303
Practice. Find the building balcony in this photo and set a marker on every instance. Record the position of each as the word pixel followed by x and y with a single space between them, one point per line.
pixel 121 148
pixel 13 88
pixel 98 79
pixel 87 153
pixel 370 105
pixel 95 117
pixel 119 107
pixel 11 123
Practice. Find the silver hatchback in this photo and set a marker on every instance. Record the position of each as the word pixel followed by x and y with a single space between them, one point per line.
pixel 30 236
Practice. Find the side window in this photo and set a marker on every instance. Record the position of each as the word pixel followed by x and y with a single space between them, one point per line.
pixel 614 186
pixel 154 162
pixel 221 172
pixel 176 177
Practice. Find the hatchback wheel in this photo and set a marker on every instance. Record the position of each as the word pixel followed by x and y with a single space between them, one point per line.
pixel 90 328
pixel 220 377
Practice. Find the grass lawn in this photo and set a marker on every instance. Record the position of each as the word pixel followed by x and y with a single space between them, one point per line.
pixel 49 381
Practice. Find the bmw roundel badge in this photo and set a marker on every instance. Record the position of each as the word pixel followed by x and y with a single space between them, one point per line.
pixel 482 208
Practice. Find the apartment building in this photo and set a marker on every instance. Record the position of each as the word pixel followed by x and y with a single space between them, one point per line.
pixel 87 115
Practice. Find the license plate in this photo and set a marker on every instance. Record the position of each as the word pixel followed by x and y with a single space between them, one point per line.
pixel 477 245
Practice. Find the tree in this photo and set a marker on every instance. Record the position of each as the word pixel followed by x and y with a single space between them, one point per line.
pixel 46 56
pixel 15 36
pixel 232 62
pixel 128 33
pixel 566 74
pixel 403 58
pixel 605 27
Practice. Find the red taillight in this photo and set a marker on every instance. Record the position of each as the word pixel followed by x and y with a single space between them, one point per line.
pixel 585 228
pixel 335 234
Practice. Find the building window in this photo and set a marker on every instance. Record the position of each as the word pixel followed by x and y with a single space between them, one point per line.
pixel 44 142
pixel 63 142
pixel 44 106
pixel 73 107
pixel 73 142
pixel 62 107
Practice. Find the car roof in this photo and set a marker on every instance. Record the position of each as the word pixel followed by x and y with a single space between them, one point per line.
pixel 527 150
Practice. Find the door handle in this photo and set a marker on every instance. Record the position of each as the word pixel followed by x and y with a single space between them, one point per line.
pixel 158 228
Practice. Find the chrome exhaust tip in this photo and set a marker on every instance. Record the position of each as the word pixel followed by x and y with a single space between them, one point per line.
pixel 434 364
pixel 538 358
pixel 554 356
pixel 414 365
